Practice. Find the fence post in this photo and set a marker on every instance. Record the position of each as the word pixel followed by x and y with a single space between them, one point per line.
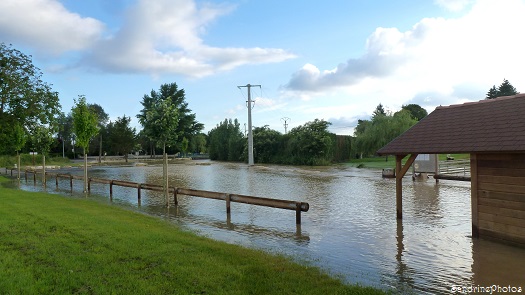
pixel 228 201
pixel 34 177
pixel 89 185
pixel 175 196
pixel 298 213
pixel 139 189
pixel 71 182
pixel 111 190
pixel 56 180
pixel 25 175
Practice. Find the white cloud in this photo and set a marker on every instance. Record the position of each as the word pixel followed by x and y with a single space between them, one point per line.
pixel 164 37
pixel 156 37
pixel 47 26
pixel 445 60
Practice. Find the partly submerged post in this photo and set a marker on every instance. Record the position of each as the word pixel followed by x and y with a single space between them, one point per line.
pixel 400 172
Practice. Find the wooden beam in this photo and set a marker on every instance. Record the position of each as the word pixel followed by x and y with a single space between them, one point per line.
pixel 474 198
pixel 400 172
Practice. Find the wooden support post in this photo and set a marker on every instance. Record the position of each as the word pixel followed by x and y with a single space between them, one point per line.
pixel 474 198
pixel 175 200
pixel 56 181
pixel 228 205
pixel 71 182
pixel 25 175
pixel 139 191
pixel 111 190
pixel 89 185
pixel 298 213
pixel 400 172
pixel 34 177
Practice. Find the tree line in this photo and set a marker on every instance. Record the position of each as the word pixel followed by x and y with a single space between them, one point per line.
pixel 31 119
pixel 308 144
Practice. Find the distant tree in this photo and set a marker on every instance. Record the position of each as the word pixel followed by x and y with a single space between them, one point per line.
pixel 42 139
pixel 416 111
pixel 382 130
pixel 493 93
pixel 504 89
pixel 184 146
pixel 266 144
pixel 187 125
pixel 121 136
pixel 379 111
pixel 311 143
pixel 103 119
pixel 226 141
pixel 198 143
pixel 85 128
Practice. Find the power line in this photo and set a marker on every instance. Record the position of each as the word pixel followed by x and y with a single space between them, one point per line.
pixel 285 120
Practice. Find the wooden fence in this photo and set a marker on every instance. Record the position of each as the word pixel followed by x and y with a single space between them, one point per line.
pixel 298 207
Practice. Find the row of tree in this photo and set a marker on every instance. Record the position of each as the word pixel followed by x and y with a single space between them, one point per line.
pixel 308 144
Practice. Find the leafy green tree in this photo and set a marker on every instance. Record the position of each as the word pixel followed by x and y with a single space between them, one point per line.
pixel 267 144
pixel 311 143
pixel 504 89
pixel 382 130
pixel 42 140
pixel 379 111
pixel 493 93
pixel 184 146
pixel 198 143
pixel 416 111
pixel 85 123
pixel 23 94
pixel 160 120
pixel 187 125
pixel 226 141
pixel 103 119
pixel 121 136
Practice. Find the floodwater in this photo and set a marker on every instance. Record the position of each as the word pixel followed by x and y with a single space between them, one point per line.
pixel 350 231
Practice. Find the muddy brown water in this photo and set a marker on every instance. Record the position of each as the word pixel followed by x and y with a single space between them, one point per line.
pixel 350 231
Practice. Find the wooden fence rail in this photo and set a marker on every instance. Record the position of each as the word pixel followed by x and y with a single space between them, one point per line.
pixel 296 206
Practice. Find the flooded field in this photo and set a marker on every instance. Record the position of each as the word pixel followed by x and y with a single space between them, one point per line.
pixel 350 231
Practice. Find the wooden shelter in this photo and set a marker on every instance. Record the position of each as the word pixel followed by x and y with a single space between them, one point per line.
pixel 493 133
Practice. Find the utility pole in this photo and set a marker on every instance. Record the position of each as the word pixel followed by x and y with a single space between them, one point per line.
pixel 285 120
pixel 250 134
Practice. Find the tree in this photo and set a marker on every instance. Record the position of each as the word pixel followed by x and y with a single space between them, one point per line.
pixel 311 143
pixel 226 141
pixel 382 130
pixel 160 120
pixel 23 94
pixel 266 143
pixel 122 137
pixel 198 143
pixel 504 89
pixel 103 119
pixel 85 127
pixel 187 126
pixel 42 139
pixel 416 111
pixel 379 111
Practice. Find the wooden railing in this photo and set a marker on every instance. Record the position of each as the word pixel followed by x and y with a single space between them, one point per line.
pixel 296 206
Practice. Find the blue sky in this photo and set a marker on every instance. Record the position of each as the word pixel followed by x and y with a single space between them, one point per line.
pixel 332 60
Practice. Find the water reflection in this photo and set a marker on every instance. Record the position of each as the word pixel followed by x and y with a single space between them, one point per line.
pixel 350 230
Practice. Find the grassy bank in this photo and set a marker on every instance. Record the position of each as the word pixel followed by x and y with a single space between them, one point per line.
pixel 390 162
pixel 29 160
pixel 56 245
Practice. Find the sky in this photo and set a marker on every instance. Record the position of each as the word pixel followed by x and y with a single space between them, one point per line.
pixel 334 60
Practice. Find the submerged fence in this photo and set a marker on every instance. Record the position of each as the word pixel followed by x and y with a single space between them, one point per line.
pixel 296 206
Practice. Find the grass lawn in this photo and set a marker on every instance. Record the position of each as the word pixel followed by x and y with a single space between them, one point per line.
pixel 52 244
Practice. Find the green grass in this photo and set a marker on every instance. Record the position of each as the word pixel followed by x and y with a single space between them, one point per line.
pixel 380 163
pixel 27 160
pixel 51 244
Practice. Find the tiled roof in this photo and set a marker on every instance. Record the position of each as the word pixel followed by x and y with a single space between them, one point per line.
pixel 493 125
